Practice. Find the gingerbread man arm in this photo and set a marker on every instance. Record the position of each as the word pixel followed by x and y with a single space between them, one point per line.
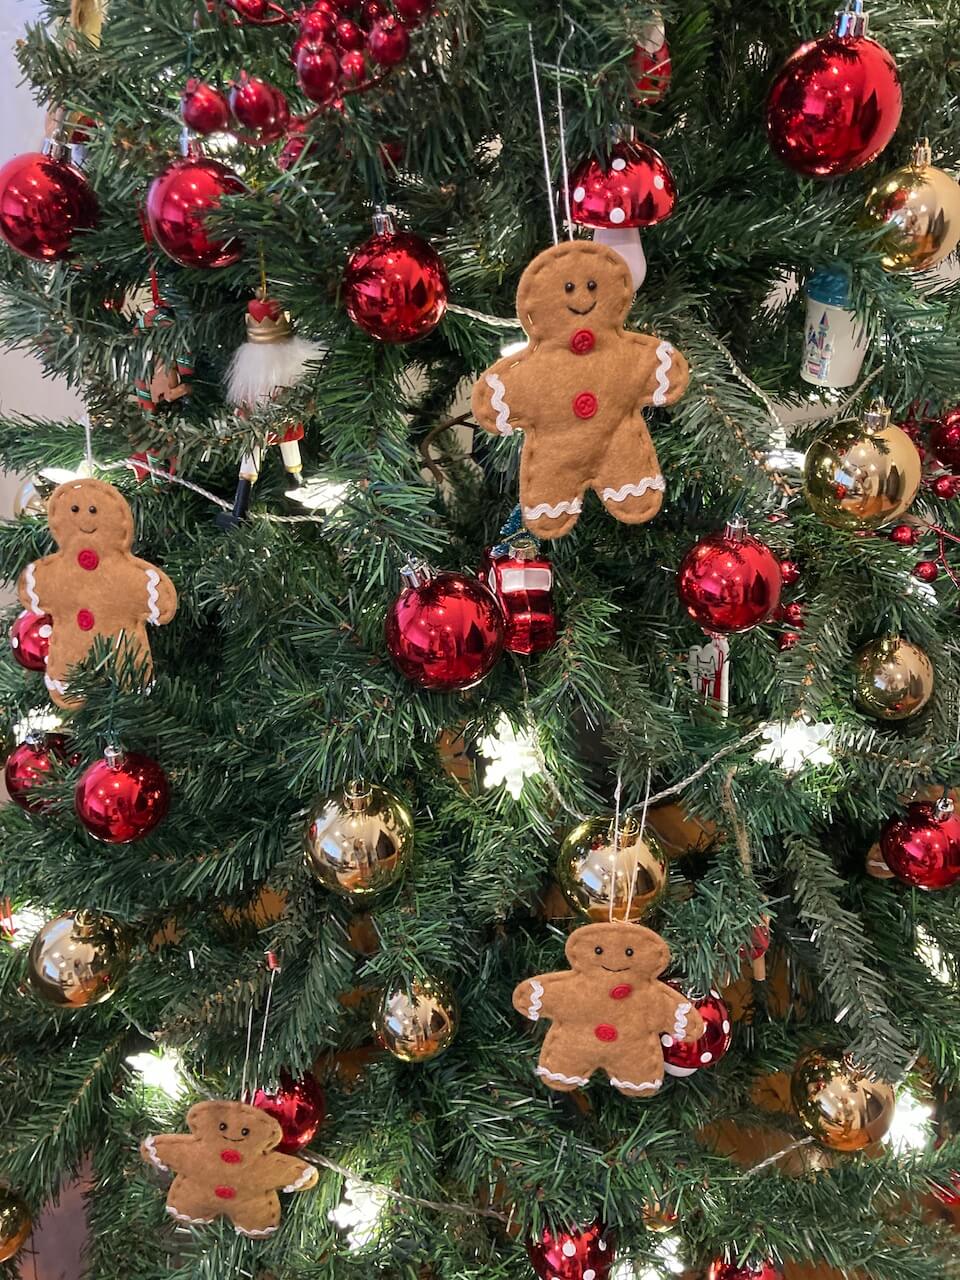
pixel 678 1017
pixel 34 583
pixel 536 998
pixel 664 372
pixel 285 1173
pixel 160 602
pixel 490 401
pixel 169 1150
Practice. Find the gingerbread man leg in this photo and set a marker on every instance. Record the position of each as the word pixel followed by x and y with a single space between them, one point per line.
pixel 564 1063
pixel 256 1216
pixel 189 1203
pixel 548 512
pixel 58 666
pixel 628 481
pixel 636 1069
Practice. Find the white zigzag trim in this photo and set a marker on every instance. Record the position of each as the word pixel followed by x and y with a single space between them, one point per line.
pixel 497 401
pixel 558 1075
pixel 664 361
pixel 253 1233
pixel 185 1217
pixel 55 686
pixel 634 490
pixel 573 508
pixel 680 1020
pixel 150 1146
pixel 643 1086
pixel 30 586
pixel 536 1000
pixel 153 600
pixel 302 1180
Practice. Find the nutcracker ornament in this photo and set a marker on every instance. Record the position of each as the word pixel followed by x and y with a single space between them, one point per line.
pixel 521 579
pixel 918 206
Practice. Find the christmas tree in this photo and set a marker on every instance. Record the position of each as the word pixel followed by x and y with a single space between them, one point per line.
pixel 345 698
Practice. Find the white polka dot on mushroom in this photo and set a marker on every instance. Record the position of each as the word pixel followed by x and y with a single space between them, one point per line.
pixel 619 164
pixel 658 182
pixel 46 631
pixel 602 1246
pixel 579 193
pixel 589 1274
pixel 667 1041
pixel 706 1057
pixel 726 1026
pixel 617 216
pixel 569 1248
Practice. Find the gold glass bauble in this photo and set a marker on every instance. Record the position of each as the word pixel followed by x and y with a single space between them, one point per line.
pixel 358 841
pixel 840 1104
pixel 78 959
pixel 417 1020
pixel 31 497
pixel 920 207
pixel 893 679
pixel 862 474
pixel 15 1223
pixel 593 865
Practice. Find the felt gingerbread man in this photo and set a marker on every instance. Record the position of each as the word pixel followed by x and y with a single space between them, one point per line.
pixel 227 1167
pixel 93 586
pixel 608 1010
pixel 577 389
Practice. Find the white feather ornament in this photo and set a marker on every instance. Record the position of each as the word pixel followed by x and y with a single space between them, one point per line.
pixel 271 359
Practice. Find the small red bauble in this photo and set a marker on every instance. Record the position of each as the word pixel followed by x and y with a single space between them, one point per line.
pixel 792 613
pixel 522 581
pixel 298 1106
pixel 681 1059
pixel 446 632
pixel 318 23
pixel 370 12
pixel 905 535
pixel 122 797
pixel 29 764
pixel 585 1253
pixel 788 640
pixel 721 1270
pixel 634 188
pixel 945 439
pixel 30 639
pixel 412 12
pixel 297 141
pixel 729 581
pixel 257 105
pixel 318 70
pixel 922 847
pixel 835 104
pixel 43 201
pixel 948 1193
pixel 203 108
pixel 944 486
pixel 789 572
pixel 257 12
pixel 926 571
pixel 392 154
pixel 177 204
pixel 349 35
pixel 650 66
pixel 388 41
pixel 353 67
pixel 395 286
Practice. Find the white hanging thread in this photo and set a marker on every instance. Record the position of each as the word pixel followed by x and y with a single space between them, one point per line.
pixel 263 1030
pixel 563 135
pixel 615 855
pixel 643 824
pixel 88 443
pixel 543 134
pixel 246 1054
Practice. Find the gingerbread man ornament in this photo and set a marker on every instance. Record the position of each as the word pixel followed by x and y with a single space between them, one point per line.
pixel 93 586
pixel 577 390
pixel 608 1010
pixel 227 1167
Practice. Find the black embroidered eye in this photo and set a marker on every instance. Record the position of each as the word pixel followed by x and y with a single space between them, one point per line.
pixel 92 510
pixel 74 508
pixel 629 951
pixel 569 286
pixel 223 1126
pixel 591 285
pixel 244 1132
pixel 598 951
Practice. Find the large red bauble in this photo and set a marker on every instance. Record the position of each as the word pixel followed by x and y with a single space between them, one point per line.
pixel 681 1059
pixel 721 1270
pixel 834 105
pixel 395 287
pixel 388 41
pixel 298 1106
pixel 257 105
pixel 945 439
pixel 30 639
pixel 922 847
pixel 318 69
pixel 30 763
pixel 203 108
pixel 122 797
pixel 446 632
pixel 634 188
pixel 43 201
pixel 729 581
pixel 586 1253
pixel 177 204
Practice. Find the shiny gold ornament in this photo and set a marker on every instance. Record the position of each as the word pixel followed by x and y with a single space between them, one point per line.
pixel 840 1104
pixel 358 842
pixel 860 475
pixel 31 498
pixel 417 1020
pixel 592 864
pixel 78 959
pixel 15 1223
pixel 920 207
pixel 893 679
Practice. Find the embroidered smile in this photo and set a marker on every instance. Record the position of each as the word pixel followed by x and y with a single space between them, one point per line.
pixel 93 530
pixel 609 970
pixel 577 312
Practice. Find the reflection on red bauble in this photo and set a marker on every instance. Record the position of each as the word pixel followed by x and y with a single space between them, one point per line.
pixel 412 12
pixel 395 287
pixel 729 581
pixel 721 1270
pixel 349 35
pixel 922 847
pixel 43 201
pixel 835 104
pixel 30 639
pixel 945 439
pixel 203 108
pixel 633 188
pixel 298 1106
pixel 122 797
pixel 177 204
pixel 29 764
pixel 446 632
pixel 388 41
pixel 682 1059
pixel 260 107
pixel 650 66
pixel 318 69
pixel 586 1253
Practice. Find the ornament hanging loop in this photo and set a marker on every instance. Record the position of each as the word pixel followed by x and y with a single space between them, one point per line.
pixel 851 20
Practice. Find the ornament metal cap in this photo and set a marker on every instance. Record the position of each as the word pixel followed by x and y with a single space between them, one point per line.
pixel 356 795
pixel 416 573
pixel 383 224
pixel 55 149
pixel 922 155
pixel 876 418
pixel 736 529
pixel 113 755
pixel 944 806
pixel 851 20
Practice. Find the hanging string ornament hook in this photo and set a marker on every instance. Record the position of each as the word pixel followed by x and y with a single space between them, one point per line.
pixel 543 134
pixel 561 123
pixel 615 854
pixel 636 862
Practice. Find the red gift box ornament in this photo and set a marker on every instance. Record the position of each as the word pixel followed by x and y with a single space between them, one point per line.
pixel 522 581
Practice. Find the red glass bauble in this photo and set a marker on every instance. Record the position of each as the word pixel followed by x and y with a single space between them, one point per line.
pixel 926 571
pixel 586 1253
pixel 721 1270
pixel 650 67
pixel 789 572
pixel 392 154
pixel 834 105
pixel 122 797
pixel 681 1059
pixel 412 12
pixel 388 41
pixel 298 140
pixel 445 632
pixel 43 201
pixel 792 613
pixel 257 12
pixel 522 581
pixel 372 11
pixel 30 639
pixel 905 535
pixel 729 581
pixel 353 67
pixel 922 847
pixel 788 640
pixel 945 439
pixel 634 188
pixel 29 764
pixel 257 105
pixel 318 70
pixel 298 1106
pixel 349 35
pixel 317 24
pixel 203 108
pixel 395 287
pixel 944 486
pixel 177 204
pixel 948 1192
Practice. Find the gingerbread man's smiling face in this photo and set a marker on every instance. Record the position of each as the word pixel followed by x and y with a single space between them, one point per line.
pixel 574 286
pixel 617 950
pixel 89 513
pixel 248 1130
